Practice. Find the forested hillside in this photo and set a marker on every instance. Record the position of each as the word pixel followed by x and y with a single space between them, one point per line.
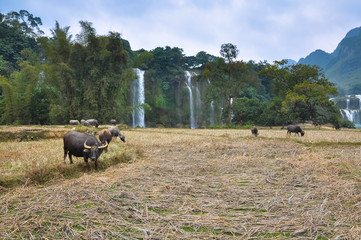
pixel 52 79
pixel 342 66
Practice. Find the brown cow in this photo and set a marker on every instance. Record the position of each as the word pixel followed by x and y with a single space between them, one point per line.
pixel 254 131
pixel 105 136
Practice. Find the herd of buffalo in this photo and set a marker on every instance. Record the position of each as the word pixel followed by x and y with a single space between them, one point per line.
pixel 290 129
pixel 87 146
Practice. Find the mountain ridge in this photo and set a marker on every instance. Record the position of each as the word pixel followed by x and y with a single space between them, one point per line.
pixel 343 65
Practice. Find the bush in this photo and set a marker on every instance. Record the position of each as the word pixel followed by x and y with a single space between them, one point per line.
pixel 345 123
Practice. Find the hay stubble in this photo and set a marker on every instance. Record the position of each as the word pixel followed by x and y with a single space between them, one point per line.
pixel 205 184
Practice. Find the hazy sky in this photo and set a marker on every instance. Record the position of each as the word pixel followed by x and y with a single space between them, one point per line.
pixel 262 29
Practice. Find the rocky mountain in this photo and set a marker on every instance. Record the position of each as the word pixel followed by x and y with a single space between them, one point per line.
pixel 342 66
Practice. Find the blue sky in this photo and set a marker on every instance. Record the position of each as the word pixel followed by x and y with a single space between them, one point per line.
pixel 262 29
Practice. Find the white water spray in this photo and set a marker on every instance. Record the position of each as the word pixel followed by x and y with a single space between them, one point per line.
pixel 191 100
pixel 138 99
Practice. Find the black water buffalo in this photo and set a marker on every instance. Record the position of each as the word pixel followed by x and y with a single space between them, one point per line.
pixel 254 131
pixel 116 132
pixel 113 121
pixel 82 145
pixel 93 122
pixel 74 122
pixel 105 136
pixel 294 129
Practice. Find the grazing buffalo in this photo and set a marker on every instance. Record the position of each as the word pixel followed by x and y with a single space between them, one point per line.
pixel 105 136
pixel 84 123
pixel 82 145
pixel 93 122
pixel 74 122
pixel 294 129
pixel 116 132
pixel 254 131
pixel 113 121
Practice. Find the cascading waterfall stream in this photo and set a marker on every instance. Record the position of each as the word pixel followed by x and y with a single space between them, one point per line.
pixel 352 112
pixel 211 118
pixel 191 101
pixel 138 99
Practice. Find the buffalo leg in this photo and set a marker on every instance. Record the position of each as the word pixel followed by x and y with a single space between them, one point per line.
pixel 96 164
pixel 71 160
pixel 65 153
pixel 86 163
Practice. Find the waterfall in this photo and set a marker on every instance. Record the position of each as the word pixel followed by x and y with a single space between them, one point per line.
pixel 352 112
pixel 138 99
pixel 198 105
pixel 211 118
pixel 191 100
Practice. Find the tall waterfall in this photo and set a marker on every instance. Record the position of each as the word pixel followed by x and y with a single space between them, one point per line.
pixel 211 117
pixel 191 100
pixel 138 99
pixel 350 108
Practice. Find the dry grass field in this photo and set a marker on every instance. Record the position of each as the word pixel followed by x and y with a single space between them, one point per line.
pixel 186 184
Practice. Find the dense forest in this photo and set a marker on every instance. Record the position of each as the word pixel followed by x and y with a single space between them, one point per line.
pixel 50 80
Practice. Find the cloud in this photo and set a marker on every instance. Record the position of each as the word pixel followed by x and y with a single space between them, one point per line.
pixel 261 29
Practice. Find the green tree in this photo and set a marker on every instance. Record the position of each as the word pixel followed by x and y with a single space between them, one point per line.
pixel 309 101
pixel 229 52
pixel 60 75
pixel 228 77
pixel 301 92
pixel 247 110
pixel 162 82
pixel 8 105
pixel 19 90
pixel 19 30
pixel 142 60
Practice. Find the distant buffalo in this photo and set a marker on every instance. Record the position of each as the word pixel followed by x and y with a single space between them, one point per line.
pixel 294 129
pixel 93 122
pixel 116 132
pixel 254 131
pixel 84 123
pixel 113 121
pixel 82 145
pixel 74 122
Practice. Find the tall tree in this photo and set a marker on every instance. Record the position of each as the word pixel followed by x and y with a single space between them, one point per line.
pixel 228 77
pixel 310 101
pixel 18 30
pixel 301 92
pixel 59 74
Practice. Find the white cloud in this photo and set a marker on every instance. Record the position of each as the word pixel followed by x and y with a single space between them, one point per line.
pixel 261 29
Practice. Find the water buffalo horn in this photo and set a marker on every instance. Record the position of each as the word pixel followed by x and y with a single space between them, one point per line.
pixel 104 146
pixel 86 146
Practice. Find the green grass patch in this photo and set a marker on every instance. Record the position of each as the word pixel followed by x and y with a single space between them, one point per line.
pixel 30 135
pixel 78 227
pixel 86 205
pixel 159 211
pixel 199 213
pixel 197 229
pixel 241 209
pixel 46 174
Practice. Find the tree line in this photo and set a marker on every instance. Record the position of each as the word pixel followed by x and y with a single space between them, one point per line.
pixel 49 80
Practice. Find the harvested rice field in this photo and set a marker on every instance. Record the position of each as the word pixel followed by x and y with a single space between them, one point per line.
pixel 185 184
